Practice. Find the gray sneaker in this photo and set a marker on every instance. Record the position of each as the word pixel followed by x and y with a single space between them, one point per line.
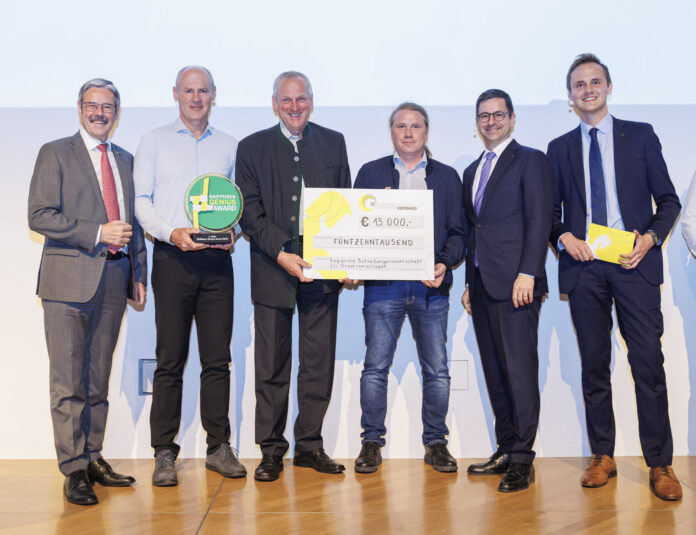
pixel 164 474
pixel 224 461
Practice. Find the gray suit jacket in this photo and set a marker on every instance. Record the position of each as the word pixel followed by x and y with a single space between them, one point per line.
pixel 67 207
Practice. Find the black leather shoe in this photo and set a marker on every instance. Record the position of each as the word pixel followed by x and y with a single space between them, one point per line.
pixel 439 457
pixel 269 468
pixel 498 463
pixel 78 490
pixel 318 460
pixel 518 477
pixel 369 459
pixel 100 471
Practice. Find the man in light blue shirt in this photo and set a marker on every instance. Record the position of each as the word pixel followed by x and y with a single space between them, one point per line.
pixel 190 280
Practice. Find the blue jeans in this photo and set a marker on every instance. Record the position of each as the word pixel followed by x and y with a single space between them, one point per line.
pixel 384 309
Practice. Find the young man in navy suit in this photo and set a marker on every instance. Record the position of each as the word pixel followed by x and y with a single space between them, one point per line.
pixel 609 172
pixel 508 198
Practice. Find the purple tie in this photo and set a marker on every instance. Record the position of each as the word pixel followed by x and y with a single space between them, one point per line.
pixel 485 173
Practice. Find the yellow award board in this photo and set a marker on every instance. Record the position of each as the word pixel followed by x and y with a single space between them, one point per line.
pixel 608 243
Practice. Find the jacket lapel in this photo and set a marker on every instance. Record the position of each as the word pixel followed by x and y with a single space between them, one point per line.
pixel 506 159
pixel 82 158
pixel 575 154
pixel 126 181
pixel 621 147
pixel 468 184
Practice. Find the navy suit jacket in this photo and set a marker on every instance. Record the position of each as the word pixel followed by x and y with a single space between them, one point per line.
pixel 641 177
pixel 511 231
pixel 448 217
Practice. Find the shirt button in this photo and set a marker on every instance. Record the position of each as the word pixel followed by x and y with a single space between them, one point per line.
pixel 294 197
pixel 292 218
pixel 297 158
pixel 295 179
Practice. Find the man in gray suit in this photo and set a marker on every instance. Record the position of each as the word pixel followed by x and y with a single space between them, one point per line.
pixel 81 199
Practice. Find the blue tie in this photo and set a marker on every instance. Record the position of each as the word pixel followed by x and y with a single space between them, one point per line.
pixel 599 196
pixel 483 181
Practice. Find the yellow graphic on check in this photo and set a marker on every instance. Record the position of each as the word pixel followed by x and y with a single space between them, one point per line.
pixel 367 203
pixel 331 206
pixel 608 243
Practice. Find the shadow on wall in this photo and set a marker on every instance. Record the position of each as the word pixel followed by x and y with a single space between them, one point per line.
pixel 683 275
pixel 555 320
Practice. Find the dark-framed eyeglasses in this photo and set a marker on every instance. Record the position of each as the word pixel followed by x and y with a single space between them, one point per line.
pixel 498 116
pixel 91 107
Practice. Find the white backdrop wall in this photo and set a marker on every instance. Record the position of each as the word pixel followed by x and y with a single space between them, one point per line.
pixel 25 429
pixel 363 59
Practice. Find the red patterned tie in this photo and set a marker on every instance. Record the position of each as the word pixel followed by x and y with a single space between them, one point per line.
pixel 109 190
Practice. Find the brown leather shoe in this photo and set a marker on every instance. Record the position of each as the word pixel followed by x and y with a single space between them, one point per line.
pixel 601 468
pixel 664 483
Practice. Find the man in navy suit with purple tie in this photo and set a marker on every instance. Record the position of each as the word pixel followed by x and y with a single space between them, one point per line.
pixel 609 172
pixel 508 198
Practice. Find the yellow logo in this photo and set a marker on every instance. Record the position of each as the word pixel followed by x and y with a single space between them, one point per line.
pixel 367 203
pixel 333 207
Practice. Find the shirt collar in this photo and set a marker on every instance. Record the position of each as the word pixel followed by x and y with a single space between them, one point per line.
pixel 605 126
pixel 91 142
pixel 287 133
pixel 180 128
pixel 422 163
pixel 499 149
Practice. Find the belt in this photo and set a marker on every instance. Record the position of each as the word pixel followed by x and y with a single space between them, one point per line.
pixel 115 256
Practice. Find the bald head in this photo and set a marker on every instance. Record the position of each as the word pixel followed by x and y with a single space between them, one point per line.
pixel 200 68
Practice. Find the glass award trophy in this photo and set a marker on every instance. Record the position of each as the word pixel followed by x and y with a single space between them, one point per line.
pixel 214 205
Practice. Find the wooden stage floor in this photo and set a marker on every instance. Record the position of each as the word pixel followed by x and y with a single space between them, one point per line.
pixel 404 496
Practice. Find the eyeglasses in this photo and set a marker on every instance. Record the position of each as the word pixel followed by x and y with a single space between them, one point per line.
pixel 91 107
pixel 498 116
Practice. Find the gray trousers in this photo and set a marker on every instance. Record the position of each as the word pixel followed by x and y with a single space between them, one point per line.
pixel 81 338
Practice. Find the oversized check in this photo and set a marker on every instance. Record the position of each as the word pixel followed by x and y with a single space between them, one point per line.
pixel 369 234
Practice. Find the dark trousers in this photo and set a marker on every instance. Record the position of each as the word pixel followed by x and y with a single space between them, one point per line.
pixel 640 321
pixel 81 338
pixel 317 313
pixel 507 339
pixel 188 285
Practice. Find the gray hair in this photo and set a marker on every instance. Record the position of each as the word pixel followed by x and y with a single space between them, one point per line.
pixel 183 70
pixel 99 83
pixel 288 75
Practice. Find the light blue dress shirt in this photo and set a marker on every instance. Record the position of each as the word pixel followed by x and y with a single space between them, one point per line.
pixel 168 159
pixel 413 179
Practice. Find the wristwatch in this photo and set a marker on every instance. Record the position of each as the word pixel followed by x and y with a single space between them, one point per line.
pixel 656 240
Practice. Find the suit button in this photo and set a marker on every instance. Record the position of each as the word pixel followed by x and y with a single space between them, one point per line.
pixel 295 179
pixel 102 253
pixel 478 226
pixel 294 197
pixel 292 218
pixel 296 158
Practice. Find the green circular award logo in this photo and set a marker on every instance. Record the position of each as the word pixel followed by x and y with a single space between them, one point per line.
pixel 213 203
